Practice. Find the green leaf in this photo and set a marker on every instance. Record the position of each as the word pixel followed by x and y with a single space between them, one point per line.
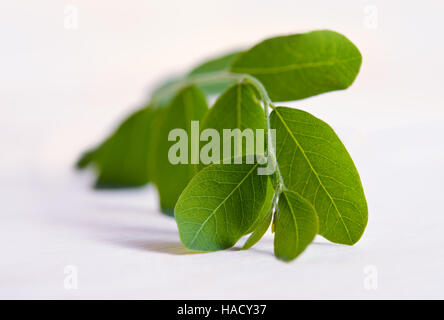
pixel 85 159
pixel 122 159
pixel 219 206
pixel 170 179
pixel 218 64
pixel 301 65
pixel 296 226
pixel 236 108
pixel 315 164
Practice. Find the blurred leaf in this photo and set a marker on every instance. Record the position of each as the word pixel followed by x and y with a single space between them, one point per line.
pixel 85 159
pixel 122 159
pixel 170 179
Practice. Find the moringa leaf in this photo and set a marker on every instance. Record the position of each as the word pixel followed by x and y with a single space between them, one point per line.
pixel 122 159
pixel 219 206
pixel 315 164
pixel 296 226
pixel 236 108
pixel 301 65
pixel 85 159
pixel 218 64
pixel 170 179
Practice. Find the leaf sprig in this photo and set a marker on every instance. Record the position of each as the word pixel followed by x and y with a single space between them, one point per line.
pixel 315 189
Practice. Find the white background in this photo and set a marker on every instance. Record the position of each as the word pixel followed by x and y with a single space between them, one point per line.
pixel 63 90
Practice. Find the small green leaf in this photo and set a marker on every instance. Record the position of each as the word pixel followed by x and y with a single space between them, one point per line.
pixel 315 164
pixel 170 179
pixel 220 205
pixel 221 63
pixel 122 159
pixel 301 65
pixel 236 108
pixel 296 226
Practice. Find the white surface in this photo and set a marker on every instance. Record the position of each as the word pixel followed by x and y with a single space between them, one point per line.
pixel 63 90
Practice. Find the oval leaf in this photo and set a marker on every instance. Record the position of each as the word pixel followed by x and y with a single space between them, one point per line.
pixel 219 206
pixel 122 159
pixel 315 164
pixel 296 226
pixel 301 65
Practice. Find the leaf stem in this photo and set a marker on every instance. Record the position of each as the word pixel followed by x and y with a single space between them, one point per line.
pixel 271 152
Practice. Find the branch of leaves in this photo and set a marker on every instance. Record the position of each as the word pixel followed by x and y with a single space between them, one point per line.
pixel 322 194
pixel 316 188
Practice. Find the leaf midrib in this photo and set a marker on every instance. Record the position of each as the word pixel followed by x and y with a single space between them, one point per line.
pixel 291 67
pixel 315 173
pixel 223 201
